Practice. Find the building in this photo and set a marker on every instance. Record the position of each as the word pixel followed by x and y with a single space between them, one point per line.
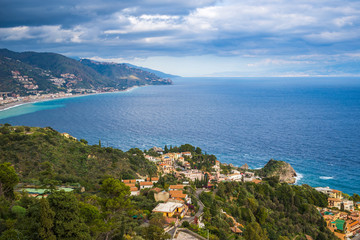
pixel 130 185
pixel 194 174
pixel 353 227
pixel 153 179
pixel 334 202
pixel 161 196
pixel 186 154
pixel 335 194
pixel 129 181
pixel 146 185
pixel 347 205
pixel 171 209
pixel 325 190
pixel 176 187
pixel 134 191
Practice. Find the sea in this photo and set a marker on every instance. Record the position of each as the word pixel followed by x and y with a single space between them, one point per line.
pixel 312 123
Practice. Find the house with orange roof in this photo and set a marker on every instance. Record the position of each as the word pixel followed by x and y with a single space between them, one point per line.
pixel 335 194
pixel 181 159
pixel 334 202
pixel 256 181
pixel 176 187
pixel 129 181
pixel 153 179
pixel 146 185
pixel 134 191
pixel 187 165
pixel 130 184
pixel 177 194
pixel 352 227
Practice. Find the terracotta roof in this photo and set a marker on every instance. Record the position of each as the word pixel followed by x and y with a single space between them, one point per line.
pixel 176 187
pixel 133 189
pixel 177 194
pixel 130 181
pixel 335 191
pixel 353 223
pixel 146 183
pixel 130 184
pixel 256 181
pixel 176 200
pixel 153 179
pixel 334 199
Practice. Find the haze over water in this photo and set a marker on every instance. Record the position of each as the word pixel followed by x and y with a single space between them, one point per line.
pixel 311 123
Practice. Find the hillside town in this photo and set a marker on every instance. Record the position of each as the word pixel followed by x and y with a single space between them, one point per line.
pixel 33 94
pixel 188 189
pixel 342 216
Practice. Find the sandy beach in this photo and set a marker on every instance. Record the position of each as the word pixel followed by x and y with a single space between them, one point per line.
pixel 11 105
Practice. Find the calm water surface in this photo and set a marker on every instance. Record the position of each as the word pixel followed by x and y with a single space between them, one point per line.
pixel 312 123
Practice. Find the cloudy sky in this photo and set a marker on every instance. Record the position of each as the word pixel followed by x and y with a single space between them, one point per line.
pixel 194 37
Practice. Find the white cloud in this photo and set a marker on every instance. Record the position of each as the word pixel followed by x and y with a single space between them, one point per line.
pixel 47 34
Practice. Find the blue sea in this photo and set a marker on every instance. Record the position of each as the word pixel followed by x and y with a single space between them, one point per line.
pixel 312 123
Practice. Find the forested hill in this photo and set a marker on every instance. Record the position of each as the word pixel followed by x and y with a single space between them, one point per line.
pixel 39 153
pixel 29 72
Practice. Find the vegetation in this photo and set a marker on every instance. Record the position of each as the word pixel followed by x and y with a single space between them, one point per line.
pixel 270 210
pixel 44 157
pixel 41 67
pixel 199 160
pixel 43 154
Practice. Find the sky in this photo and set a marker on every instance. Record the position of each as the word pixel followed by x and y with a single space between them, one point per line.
pixel 193 38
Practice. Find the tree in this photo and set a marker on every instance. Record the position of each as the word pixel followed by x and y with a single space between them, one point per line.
pixel 11 234
pixel 46 220
pixel 67 221
pixel 8 180
pixel 253 231
pixel 355 197
pixel 198 150
pixel 114 202
pixel 154 232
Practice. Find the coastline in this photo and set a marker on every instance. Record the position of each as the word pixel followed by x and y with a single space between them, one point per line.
pixel 21 103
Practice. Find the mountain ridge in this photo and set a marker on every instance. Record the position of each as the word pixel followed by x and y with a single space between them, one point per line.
pixel 29 73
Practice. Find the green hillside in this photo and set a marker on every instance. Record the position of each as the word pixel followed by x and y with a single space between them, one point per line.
pixel 30 72
pixel 40 153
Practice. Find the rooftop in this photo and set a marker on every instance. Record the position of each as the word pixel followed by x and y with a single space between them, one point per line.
pixel 176 187
pixel 167 207
pixel 146 183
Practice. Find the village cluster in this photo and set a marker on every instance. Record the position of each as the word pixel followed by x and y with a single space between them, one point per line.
pixel 341 215
pixel 34 94
pixel 174 202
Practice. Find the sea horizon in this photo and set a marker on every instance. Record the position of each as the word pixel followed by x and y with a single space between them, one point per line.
pixel 128 119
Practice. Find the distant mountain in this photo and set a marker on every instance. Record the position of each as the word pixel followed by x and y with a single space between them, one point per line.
pixel 157 73
pixel 31 72
pixel 125 74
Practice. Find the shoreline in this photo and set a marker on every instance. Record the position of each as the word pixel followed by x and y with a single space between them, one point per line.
pixel 12 105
